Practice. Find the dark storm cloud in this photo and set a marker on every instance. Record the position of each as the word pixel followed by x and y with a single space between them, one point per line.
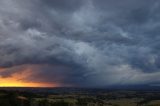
pixel 71 5
pixel 97 43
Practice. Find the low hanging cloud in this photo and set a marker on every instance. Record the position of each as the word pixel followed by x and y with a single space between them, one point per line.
pixel 81 42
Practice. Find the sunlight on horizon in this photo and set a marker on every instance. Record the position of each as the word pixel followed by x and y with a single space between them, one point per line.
pixel 16 80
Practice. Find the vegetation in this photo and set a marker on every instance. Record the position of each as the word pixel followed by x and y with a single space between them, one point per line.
pixel 80 98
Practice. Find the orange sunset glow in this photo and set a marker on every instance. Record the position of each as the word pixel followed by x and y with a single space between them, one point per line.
pixel 16 80
pixel 13 82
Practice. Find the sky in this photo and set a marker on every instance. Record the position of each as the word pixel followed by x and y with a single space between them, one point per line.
pixel 79 43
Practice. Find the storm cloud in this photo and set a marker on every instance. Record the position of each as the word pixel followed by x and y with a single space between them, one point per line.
pixel 82 43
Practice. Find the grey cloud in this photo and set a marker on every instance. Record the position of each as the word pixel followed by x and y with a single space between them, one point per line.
pixel 101 43
pixel 71 5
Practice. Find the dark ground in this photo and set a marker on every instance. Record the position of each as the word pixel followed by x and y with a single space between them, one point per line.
pixel 79 97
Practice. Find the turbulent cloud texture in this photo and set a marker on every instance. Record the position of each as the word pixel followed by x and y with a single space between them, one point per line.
pixel 91 43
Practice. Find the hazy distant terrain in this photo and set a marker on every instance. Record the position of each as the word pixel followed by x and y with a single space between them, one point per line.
pixel 77 97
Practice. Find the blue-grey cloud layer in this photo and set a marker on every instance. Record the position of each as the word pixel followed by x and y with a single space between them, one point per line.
pixel 96 42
